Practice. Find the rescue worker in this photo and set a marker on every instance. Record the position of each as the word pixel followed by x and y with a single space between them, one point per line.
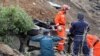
pixel 60 22
pixel 78 30
pixel 46 43
pixel 94 44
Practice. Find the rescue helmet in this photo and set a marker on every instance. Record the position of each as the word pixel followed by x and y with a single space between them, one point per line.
pixel 65 7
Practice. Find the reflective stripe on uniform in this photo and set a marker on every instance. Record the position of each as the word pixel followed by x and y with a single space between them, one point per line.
pixel 60 43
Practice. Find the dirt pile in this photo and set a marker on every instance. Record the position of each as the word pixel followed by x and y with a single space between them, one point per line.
pixel 40 9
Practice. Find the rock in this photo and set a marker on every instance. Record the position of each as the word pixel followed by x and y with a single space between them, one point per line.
pixel 8 51
pixel 5 49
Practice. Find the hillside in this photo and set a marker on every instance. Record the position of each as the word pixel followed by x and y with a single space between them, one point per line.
pixel 41 9
pixel 91 10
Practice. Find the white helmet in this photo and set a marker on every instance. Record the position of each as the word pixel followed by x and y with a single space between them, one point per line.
pixel 66 7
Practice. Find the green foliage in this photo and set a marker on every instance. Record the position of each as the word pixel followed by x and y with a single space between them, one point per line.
pixel 15 20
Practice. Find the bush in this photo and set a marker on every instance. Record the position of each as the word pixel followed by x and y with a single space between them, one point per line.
pixel 14 19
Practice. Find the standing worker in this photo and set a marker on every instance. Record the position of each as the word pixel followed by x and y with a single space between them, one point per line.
pixel 60 22
pixel 78 29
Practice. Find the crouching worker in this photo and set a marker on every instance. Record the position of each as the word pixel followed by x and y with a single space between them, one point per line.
pixel 94 44
pixel 46 43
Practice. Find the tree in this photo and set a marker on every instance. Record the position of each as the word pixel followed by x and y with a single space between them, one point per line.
pixel 15 21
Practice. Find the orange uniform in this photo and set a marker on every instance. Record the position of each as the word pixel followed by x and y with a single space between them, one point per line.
pixel 94 43
pixel 60 20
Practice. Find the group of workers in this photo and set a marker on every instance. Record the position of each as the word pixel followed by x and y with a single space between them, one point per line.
pixel 88 43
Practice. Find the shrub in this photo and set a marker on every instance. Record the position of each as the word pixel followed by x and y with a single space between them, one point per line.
pixel 14 20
